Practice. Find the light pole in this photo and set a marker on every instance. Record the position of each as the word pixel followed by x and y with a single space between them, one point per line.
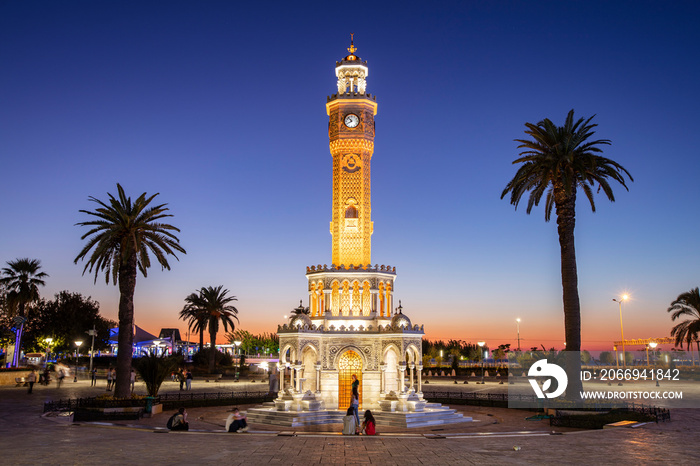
pixel 77 352
pixel 518 323
pixel 238 348
pixel 48 350
pixel 481 354
pixel 92 333
pixel 652 345
pixel 617 360
pixel 622 335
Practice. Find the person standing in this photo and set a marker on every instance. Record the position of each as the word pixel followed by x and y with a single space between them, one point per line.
pixel 109 379
pixel 181 377
pixel 355 405
pixel 93 377
pixel 188 380
pixel 133 380
pixel 31 378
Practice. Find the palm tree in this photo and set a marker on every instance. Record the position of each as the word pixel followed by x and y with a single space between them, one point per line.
pixel 196 321
pixel 212 305
pixel 21 279
pixel 122 237
pixel 687 305
pixel 559 160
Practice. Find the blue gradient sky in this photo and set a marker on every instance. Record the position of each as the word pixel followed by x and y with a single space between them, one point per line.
pixel 220 107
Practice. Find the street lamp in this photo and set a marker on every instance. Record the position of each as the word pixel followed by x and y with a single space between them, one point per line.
pixel 92 333
pixel 48 350
pixel 518 323
pixel 652 345
pixel 481 347
pixel 77 352
pixel 622 335
pixel 238 349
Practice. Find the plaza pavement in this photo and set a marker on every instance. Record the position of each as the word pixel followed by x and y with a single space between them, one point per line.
pixel 498 436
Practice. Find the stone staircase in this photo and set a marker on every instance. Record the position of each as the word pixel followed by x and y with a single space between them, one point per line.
pixel 434 414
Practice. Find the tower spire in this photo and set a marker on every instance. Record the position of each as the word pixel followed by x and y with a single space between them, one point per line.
pixel 352 49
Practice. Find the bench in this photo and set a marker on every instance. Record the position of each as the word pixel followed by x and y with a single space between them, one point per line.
pixel 21 381
pixel 214 377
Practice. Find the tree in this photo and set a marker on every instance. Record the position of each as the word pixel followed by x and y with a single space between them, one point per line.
pixel 196 321
pixel 21 279
pixel 122 236
pixel 559 160
pixel 213 303
pixel 67 318
pixel 686 305
pixel 606 357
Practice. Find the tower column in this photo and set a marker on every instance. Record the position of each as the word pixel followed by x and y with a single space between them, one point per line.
pixel 412 366
pixel 402 377
pixel 283 370
pixel 419 392
pixel 382 379
pixel 298 368
pixel 317 366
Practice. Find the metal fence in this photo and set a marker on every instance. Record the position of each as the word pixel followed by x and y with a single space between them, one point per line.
pixel 169 400
pixel 499 400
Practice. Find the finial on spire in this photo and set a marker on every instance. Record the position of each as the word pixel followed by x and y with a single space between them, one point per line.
pixel 352 49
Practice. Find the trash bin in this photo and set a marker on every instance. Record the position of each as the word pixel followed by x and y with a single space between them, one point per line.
pixel 149 404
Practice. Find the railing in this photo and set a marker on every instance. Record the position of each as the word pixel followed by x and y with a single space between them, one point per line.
pixel 477 398
pixel 168 400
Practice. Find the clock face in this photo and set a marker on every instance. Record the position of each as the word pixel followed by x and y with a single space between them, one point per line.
pixel 351 120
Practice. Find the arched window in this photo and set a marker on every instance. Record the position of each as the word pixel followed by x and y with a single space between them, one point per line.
pixel 351 212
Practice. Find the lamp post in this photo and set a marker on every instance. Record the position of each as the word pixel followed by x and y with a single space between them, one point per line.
pixel 652 345
pixel 481 354
pixel 622 335
pixel 238 348
pixel 48 350
pixel 92 333
pixel 77 353
pixel 518 323
pixel 617 360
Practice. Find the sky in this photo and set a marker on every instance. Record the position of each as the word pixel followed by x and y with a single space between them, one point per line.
pixel 220 108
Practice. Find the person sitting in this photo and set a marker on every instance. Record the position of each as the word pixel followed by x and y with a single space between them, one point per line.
pixel 349 423
pixel 236 422
pixel 369 424
pixel 179 421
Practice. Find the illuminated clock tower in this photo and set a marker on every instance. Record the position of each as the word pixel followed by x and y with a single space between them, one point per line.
pixel 351 328
pixel 351 132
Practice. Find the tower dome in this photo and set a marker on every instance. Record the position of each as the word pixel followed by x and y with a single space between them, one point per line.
pixel 400 319
pixel 300 320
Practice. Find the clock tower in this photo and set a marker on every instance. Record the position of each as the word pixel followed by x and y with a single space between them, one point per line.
pixel 351 132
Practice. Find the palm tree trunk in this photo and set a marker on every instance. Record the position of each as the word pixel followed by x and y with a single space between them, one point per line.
pixel 566 220
pixel 201 339
pixel 212 350
pixel 17 355
pixel 127 285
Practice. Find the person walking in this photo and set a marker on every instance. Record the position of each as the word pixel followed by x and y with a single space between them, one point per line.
pixel 188 380
pixel 133 380
pixel 31 378
pixel 59 378
pixel 93 377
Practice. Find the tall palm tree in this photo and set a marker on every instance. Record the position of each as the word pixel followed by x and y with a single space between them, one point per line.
pixel 559 160
pixel 123 235
pixel 687 305
pixel 196 321
pixel 212 304
pixel 21 279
